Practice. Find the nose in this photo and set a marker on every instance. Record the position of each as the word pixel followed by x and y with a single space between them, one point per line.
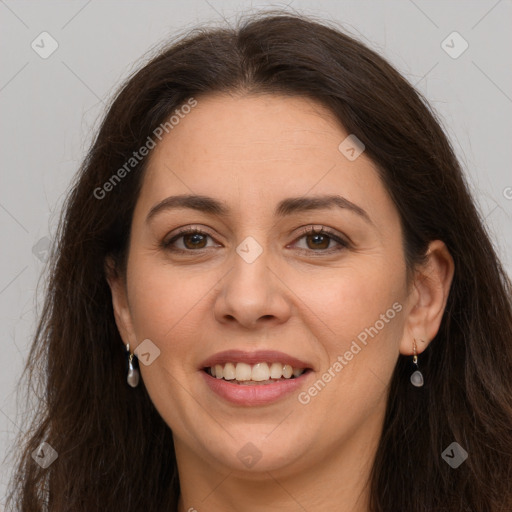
pixel 253 295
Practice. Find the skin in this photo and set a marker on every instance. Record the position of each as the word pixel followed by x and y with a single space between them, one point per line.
pixel 251 152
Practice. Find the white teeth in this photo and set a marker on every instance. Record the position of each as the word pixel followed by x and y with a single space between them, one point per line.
pixel 229 372
pixel 243 371
pixel 276 371
pixel 260 372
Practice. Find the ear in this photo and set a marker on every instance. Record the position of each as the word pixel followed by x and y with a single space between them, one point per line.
pixel 120 304
pixel 428 298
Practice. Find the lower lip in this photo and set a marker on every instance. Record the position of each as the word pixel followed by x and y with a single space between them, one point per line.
pixel 257 394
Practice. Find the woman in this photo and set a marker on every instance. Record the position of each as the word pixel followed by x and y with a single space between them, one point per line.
pixel 273 223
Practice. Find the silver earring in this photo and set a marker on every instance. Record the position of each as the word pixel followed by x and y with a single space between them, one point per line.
pixel 417 376
pixel 133 371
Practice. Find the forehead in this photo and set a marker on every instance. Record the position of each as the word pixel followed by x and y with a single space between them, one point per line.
pixel 253 150
pixel 251 128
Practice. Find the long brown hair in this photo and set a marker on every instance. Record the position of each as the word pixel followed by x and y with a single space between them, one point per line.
pixel 115 452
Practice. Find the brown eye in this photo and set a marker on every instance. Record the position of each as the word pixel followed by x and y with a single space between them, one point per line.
pixel 193 239
pixel 320 240
pixel 196 240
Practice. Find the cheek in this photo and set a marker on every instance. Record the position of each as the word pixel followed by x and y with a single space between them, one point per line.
pixel 166 301
pixel 359 318
pixel 351 299
pixel 365 320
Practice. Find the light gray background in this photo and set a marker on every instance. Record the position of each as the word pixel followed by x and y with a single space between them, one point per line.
pixel 51 107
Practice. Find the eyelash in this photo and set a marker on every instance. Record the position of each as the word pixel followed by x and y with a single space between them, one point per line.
pixel 167 245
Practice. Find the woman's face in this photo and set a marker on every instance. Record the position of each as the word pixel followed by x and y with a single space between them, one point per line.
pixel 253 287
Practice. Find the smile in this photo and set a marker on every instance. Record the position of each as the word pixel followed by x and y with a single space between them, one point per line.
pixel 253 393
pixel 259 373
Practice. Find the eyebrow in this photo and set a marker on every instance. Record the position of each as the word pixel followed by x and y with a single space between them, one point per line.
pixel 286 207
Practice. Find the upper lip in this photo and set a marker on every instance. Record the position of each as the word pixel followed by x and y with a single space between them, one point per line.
pixel 260 356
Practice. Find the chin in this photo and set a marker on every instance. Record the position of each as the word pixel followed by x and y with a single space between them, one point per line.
pixel 259 452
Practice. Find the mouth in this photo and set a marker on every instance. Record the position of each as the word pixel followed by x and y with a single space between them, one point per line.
pixel 254 378
pixel 263 373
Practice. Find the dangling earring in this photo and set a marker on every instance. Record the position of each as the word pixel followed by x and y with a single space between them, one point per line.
pixel 417 376
pixel 133 371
